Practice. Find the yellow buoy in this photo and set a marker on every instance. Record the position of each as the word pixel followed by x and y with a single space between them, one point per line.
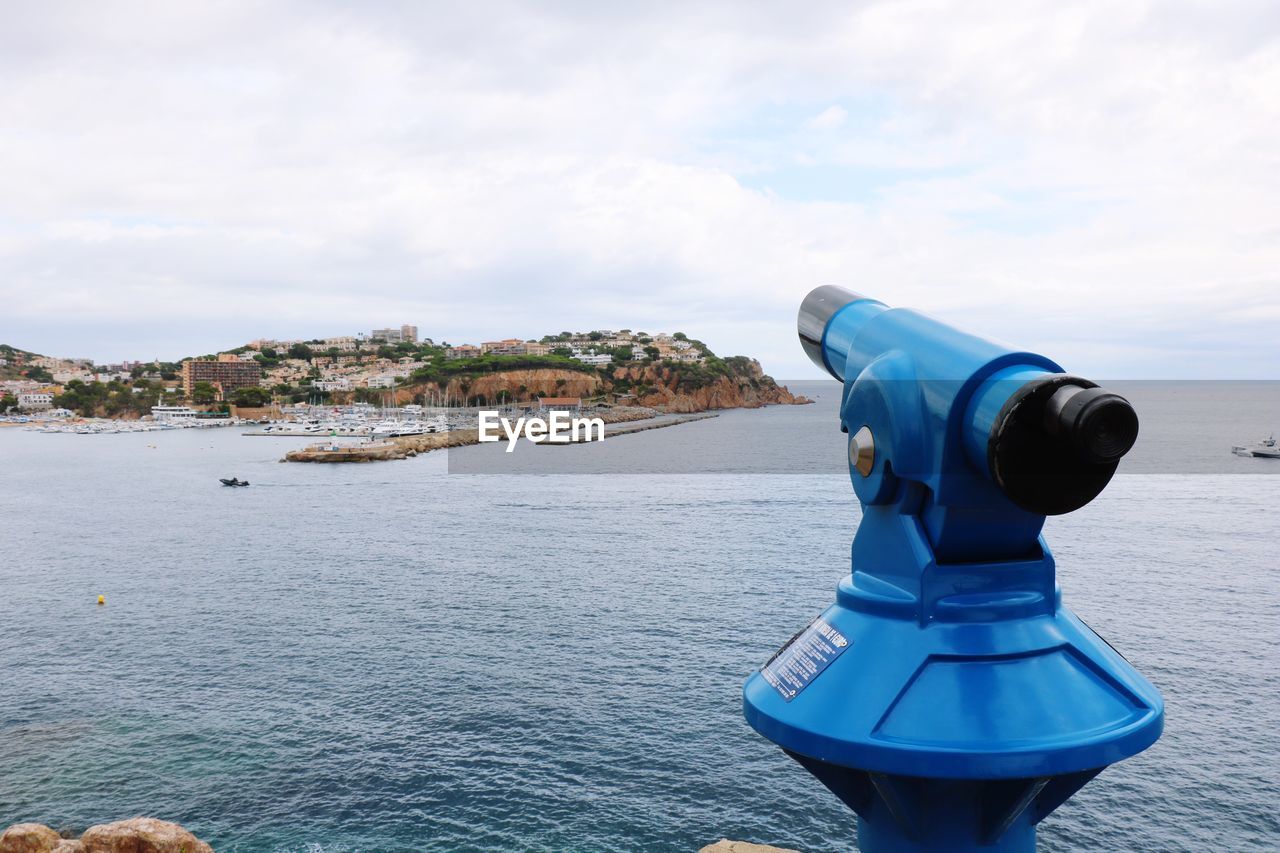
pixel 102 599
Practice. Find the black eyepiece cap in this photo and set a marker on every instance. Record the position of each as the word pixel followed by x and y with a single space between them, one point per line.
pixel 1099 424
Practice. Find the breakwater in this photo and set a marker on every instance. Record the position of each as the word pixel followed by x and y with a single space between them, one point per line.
pixel 407 446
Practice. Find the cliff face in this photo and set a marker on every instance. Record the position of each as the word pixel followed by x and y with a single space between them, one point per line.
pixel 519 384
pixel 670 388
pixel 681 388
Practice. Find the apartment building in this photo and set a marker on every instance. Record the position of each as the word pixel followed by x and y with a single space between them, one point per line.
pixel 509 346
pixel 228 374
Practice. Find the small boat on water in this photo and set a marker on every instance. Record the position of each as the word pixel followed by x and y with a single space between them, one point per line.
pixel 1268 448
pixel 234 481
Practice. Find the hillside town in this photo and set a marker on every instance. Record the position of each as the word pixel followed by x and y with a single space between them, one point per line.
pixel 360 367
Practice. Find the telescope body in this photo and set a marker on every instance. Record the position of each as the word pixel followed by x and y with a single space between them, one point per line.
pixel 948 696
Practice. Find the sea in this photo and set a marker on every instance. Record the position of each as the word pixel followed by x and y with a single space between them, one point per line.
pixel 437 654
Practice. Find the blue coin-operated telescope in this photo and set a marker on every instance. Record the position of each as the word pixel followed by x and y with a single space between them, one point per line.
pixel 948 697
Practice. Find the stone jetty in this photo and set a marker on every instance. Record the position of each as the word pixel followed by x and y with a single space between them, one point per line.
pixel 406 446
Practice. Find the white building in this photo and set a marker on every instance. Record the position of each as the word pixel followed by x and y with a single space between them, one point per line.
pixel 33 400
pixel 383 381
pixel 341 383
pixel 597 359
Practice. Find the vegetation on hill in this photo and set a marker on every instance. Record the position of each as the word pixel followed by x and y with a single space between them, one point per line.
pixel 112 399
pixel 16 368
pixel 441 371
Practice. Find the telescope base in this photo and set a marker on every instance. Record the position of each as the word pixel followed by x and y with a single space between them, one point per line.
pixel 912 814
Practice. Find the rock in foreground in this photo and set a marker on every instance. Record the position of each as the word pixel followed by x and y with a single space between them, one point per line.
pixel 724 845
pixel 28 838
pixel 137 835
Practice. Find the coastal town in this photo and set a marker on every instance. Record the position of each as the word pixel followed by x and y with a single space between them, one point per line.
pixel 384 385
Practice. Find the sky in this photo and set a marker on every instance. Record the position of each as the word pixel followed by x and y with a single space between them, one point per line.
pixel 1097 181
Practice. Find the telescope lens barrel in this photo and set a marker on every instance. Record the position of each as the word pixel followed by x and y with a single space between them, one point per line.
pixel 816 311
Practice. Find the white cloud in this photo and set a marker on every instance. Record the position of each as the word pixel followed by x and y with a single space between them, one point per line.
pixel 1096 177
pixel 832 116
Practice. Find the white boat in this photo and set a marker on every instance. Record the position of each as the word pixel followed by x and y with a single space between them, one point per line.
pixel 392 428
pixel 1267 448
pixel 173 414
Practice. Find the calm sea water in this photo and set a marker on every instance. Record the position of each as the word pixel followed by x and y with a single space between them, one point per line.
pixel 393 657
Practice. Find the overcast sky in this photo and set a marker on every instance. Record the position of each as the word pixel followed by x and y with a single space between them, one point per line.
pixel 1097 181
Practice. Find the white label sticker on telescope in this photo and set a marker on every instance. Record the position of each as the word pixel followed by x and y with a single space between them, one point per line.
pixel 803 658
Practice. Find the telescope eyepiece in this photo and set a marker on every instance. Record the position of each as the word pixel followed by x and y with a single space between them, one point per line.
pixel 1100 425
pixel 1057 441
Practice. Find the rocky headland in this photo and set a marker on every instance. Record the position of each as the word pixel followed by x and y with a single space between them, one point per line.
pixel 740 383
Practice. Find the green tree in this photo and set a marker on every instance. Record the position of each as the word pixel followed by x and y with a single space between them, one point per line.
pixel 301 351
pixel 204 392
pixel 7 402
pixel 252 398
pixel 86 399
